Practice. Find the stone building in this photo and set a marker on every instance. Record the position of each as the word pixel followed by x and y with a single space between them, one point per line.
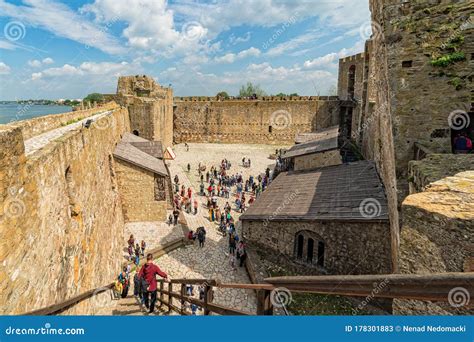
pixel 333 219
pixel 322 150
pixel 143 179
pixel 150 107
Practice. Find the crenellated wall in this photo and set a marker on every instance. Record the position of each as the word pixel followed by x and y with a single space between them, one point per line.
pixel 267 120
pixel 61 222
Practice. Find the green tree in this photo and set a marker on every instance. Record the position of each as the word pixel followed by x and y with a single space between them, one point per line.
pixel 250 90
pixel 284 95
pixel 94 97
pixel 222 94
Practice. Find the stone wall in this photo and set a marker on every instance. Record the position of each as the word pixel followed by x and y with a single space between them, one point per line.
pixel 36 126
pixel 315 160
pixel 350 248
pixel 435 167
pixel 137 193
pixel 261 121
pixel 61 223
pixel 438 235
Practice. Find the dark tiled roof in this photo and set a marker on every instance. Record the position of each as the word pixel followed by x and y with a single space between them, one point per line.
pixel 129 137
pixel 321 134
pixel 154 148
pixel 321 144
pixel 347 192
pixel 133 155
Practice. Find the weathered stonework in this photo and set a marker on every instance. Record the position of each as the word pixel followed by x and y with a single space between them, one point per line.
pixel 61 220
pixel 436 167
pixel 350 248
pixel 137 193
pixel 315 160
pixel 261 121
pixel 150 106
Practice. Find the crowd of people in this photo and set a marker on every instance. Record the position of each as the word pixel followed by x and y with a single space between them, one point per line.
pixel 215 183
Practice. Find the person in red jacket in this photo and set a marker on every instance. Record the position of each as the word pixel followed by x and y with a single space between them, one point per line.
pixel 148 273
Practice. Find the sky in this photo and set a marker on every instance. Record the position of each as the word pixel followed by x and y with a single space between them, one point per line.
pixel 55 50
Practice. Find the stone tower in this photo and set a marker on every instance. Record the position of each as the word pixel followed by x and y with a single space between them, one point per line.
pixel 150 107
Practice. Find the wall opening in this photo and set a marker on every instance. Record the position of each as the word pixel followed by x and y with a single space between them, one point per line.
pixel 299 246
pixel 309 257
pixel 270 128
pixel 136 132
pixel 351 81
pixel 321 248
pixel 407 64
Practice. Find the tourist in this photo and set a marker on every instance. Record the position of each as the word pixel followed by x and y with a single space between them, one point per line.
pixel 131 241
pixel 130 252
pixel 176 179
pixel 196 205
pixel 137 254
pixel 201 188
pixel 137 292
pixel 207 176
pixel 170 219
pixel 190 192
pixel 123 279
pixel 241 253
pixel 189 167
pixel 148 272
pixel 231 244
pixel 143 246
pixel 175 216
pixel 201 235
pixel 186 146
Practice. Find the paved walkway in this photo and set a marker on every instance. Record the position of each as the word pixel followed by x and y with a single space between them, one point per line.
pixel 212 261
pixel 37 142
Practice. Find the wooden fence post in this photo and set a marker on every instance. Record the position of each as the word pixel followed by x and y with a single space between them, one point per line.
pixel 264 304
pixel 161 293
pixel 170 298
pixel 183 293
pixel 208 298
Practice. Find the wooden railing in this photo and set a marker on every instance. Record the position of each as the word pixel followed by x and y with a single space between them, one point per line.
pixel 431 287
pixel 68 303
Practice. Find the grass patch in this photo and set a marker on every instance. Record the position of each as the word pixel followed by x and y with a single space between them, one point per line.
pixel 67 123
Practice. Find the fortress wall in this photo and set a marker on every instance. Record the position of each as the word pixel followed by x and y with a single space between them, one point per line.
pixel 262 121
pixel 36 126
pixel 61 222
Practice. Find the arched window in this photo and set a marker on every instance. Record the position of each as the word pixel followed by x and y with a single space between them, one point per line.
pixel 321 248
pixel 299 246
pixel 309 256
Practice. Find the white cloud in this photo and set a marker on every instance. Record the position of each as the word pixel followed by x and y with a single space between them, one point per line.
pixel 232 57
pixel 331 60
pixel 87 68
pixel 236 40
pixel 63 22
pixel 48 60
pixel 294 43
pixel 4 69
pixel 34 63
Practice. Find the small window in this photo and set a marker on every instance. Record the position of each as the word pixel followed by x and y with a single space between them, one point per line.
pixel 310 250
pixel 299 247
pixel 136 132
pixel 321 248
pixel 270 129
pixel 407 64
